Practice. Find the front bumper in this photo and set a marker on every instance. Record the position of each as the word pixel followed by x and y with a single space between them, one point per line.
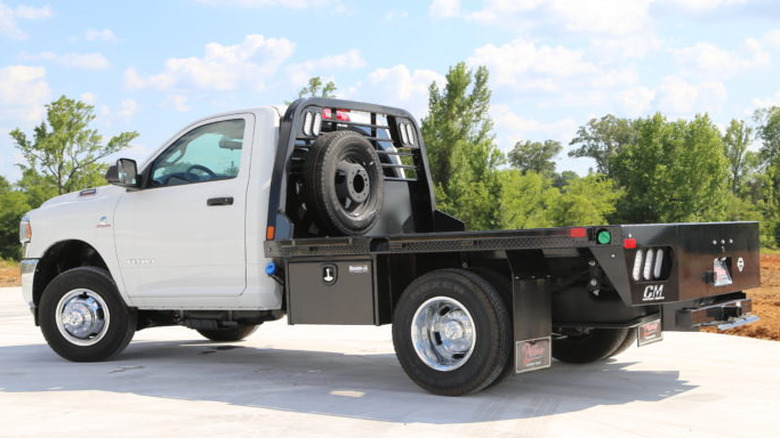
pixel 28 268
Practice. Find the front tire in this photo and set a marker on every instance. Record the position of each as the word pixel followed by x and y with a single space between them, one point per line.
pixel 83 318
pixel 233 334
pixel 452 332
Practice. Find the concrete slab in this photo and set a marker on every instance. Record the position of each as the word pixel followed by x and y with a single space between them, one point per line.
pixel 345 381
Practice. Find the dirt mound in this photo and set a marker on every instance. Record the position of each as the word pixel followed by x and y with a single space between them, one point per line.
pixel 9 274
pixel 766 302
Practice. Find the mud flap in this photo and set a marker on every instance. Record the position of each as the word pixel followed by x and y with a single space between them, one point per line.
pixel 532 316
pixel 649 333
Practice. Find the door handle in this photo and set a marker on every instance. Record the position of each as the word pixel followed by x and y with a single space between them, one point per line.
pixel 226 200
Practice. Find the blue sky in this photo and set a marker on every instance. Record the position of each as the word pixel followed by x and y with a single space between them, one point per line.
pixel 154 66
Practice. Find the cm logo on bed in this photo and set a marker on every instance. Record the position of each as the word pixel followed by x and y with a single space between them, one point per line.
pixel 653 292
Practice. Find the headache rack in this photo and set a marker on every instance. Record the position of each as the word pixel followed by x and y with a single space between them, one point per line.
pixel 392 132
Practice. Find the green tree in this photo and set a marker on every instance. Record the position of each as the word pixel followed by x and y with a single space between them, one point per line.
pixel 461 149
pixel 675 172
pixel 526 199
pixel 535 156
pixel 601 139
pixel 38 188
pixel 741 161
pixel 768 131
pixel 64 150
pixel 564 178
pixel 316 88
pixel 585 201
pixel 14 205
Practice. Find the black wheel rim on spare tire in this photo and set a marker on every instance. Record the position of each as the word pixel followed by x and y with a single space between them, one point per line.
pixel 344 185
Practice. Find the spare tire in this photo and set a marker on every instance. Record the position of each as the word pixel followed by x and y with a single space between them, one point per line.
pixel 343 183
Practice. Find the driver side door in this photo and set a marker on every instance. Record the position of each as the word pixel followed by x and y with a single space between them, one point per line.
pixel 183 233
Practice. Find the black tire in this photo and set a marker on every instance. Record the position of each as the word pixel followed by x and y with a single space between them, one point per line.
pixel 588 346
pixel 503 285
pixel 343 183
pixel 232 334
pixel 627 343
pixel 83 318
pixel 469 304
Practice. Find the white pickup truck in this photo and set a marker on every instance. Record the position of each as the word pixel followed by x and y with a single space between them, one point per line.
pixel 324 212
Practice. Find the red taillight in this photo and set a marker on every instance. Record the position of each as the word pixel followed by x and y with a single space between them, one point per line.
pixel 578 232
pixel 629 243
pixel 340 115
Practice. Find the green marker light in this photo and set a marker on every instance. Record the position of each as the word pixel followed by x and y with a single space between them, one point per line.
pixel 604 237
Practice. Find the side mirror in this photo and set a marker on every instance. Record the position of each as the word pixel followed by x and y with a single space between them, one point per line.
pixel 124 173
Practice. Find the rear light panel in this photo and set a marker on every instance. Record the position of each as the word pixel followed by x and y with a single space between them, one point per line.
pixel 652 264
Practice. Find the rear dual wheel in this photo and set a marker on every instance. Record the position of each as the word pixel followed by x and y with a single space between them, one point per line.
pixel 452 332
pixel 232 334
pixel 590 345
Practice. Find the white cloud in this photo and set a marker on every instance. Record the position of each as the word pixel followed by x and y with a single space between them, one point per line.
pixel 765 102
pixel 394 14
pixel 398 86
pixel 127 109
pixel 773 38
pixel 176 102
pixel 705 60
pixel 615 78
pixel 511 128
pixel 106 35
pixel 83 61
pixel 678 97
pixel 612 17
pixel 444 8
pixel 522 65
pixel 9 16
pixel 246 65
pixel 88 98
pixel 23 93
pixel 499 10
pixel 293 4
pixel 616 17
pixel 132 80
pixel 636 101
pixel 700 6
pixel 300 73
pixel 634 46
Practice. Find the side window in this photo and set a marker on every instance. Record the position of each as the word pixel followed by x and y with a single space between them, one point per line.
pixel 207 153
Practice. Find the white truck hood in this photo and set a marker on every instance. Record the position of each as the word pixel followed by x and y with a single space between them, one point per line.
pixel 86 195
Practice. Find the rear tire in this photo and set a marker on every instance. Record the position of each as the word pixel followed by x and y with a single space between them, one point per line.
pixel 232 334
pixel 589 346
pixel 627 343
pixel 83 318
pixel 452 332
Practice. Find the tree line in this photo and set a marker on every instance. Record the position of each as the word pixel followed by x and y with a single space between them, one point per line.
pixel 647 170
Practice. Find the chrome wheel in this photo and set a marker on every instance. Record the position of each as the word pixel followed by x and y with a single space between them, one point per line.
pixel 443 333
pixel 82 317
